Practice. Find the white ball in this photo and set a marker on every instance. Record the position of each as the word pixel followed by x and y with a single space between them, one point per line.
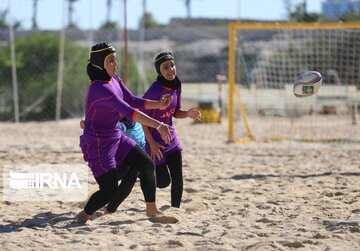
pixel 308 84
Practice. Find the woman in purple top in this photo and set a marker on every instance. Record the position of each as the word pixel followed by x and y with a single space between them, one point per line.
pixel 105 146
pixel 167 156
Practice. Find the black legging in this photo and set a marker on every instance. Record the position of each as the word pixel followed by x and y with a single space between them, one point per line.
pixel 163 178
pixel 137 161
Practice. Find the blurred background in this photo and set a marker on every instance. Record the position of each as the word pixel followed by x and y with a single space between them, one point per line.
pixel 44 46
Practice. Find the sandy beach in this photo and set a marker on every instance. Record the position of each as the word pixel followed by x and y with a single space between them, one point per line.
pixel 252 196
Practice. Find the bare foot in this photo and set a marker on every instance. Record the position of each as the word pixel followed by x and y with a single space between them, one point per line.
pixel 167 219
pixel 82 217
pixel 151 210
pixel 98 214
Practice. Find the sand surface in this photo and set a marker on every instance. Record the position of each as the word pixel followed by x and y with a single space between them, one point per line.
pixel 253 196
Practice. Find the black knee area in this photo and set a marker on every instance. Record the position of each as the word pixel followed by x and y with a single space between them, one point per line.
pixel 139 159
pixel 121 171
pixel 162 176
pixel 108 184
pixel 109 192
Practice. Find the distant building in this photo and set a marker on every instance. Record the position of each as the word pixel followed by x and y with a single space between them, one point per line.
pixel 333 9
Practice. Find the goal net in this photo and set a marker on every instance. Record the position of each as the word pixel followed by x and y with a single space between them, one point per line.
pixel 264 61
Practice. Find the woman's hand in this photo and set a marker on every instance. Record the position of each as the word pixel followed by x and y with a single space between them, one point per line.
pixel 164 131
pixel 165 101
pixel 82 124
pixel 194 114
pixel 155 148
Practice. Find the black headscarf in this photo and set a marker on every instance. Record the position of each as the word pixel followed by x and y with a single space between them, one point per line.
pixel 161 58
pixel 96 66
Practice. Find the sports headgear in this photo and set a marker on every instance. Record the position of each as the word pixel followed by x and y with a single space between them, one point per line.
pixel 161 58
pixel 99 53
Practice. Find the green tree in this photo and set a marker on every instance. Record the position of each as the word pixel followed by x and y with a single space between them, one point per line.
pixel 301 15
pixel 109 25
pixel 71 23
pixel 188 8
pixel 34 23
pixel 148 20
pixel 350 16
pixel 134 79
pixel 4 24
pixel 288 6
pixel 108 10
pixel 37 69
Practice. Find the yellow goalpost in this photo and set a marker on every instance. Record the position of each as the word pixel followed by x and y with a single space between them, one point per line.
pixel 263 61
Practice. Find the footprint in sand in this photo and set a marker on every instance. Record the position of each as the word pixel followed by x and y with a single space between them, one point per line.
pixel 164 219
pixel 195 207
pixel 190 190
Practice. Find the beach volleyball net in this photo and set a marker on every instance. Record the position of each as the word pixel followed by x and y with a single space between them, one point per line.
pixel 264 61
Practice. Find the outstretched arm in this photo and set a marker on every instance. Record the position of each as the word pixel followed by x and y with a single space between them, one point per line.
pixel 191 113
pixel 163 103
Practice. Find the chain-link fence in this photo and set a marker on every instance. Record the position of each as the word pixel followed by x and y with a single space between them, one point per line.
pixel 40 81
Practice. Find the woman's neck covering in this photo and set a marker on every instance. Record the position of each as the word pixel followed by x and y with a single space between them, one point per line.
pixel 172 84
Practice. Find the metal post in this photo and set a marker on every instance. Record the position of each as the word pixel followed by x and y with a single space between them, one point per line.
pixel 140 85
pixel 13 70
pixel 126 64
pixel 60 76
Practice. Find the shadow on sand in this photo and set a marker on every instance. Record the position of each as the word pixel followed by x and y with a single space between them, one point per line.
pixel 41 221
pixel 306 176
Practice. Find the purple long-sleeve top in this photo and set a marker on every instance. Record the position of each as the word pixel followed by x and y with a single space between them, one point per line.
pixel 103 144
pixel 156 91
